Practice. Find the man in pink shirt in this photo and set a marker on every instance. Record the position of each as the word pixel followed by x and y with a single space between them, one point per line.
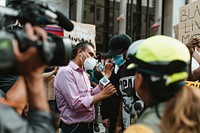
pixel 74 95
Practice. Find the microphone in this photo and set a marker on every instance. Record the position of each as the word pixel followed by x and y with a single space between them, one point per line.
pixel 64 22
pixel 137 106
pixel 138 109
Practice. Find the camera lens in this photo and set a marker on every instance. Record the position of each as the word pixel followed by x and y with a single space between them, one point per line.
pixel 62 52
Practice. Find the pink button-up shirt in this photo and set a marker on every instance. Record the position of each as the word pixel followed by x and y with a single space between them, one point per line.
pixel 74 94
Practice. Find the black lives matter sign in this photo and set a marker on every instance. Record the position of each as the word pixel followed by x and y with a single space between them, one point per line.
pixel 189 25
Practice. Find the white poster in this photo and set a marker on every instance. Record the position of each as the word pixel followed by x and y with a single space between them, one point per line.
pixel 82 32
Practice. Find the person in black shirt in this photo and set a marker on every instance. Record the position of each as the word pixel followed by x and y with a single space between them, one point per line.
pixel 110 107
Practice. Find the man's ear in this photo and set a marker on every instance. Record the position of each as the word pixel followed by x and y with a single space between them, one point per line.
pixel 79 52
pixel 139 81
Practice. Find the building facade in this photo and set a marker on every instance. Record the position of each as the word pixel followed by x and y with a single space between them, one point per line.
pixel 137 18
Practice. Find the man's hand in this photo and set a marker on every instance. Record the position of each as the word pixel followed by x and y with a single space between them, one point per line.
pixel 108 69
pixel 192 44
pixel 108 91
pixel 106 123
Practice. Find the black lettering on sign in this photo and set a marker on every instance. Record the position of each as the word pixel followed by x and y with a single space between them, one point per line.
pixel 187 14
pixel 183 16
pixel 186 30
pixel 186 37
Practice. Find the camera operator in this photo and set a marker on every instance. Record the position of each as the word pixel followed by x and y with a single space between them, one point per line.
pixel 31 67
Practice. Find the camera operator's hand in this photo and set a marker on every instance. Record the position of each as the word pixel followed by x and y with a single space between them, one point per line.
pixel 29 62
pixel 30 65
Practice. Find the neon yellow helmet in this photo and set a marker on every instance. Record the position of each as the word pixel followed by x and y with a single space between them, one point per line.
pixel 162 56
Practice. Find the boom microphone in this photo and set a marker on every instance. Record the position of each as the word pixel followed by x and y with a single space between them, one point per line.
pixel 64 22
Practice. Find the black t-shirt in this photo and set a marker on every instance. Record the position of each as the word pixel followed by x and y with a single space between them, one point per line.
pixel 127 81
pixel 110 106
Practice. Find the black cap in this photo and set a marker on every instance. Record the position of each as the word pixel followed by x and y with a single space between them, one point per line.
pixel 118 44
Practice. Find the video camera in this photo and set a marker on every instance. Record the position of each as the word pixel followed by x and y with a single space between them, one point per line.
pixel 56 52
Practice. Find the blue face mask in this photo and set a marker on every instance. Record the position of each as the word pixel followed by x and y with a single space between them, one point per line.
pixel 118 60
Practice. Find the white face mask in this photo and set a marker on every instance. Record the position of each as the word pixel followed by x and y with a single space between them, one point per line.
pixel 82 58
pixel 90 63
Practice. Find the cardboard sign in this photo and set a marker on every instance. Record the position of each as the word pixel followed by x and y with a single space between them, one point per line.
pixel 82 32
pixel 49 88
pixel 193 84
pixel 189 26
pixel 176 27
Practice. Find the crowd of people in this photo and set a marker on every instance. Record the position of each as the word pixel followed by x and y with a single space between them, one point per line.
pixel 139 87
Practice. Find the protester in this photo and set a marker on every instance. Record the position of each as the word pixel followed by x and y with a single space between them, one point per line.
pixel 31 67
pixel 161 65
pixel 123 81
pixel 74 95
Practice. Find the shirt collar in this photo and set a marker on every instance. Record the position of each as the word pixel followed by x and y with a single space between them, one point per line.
pixel 75 66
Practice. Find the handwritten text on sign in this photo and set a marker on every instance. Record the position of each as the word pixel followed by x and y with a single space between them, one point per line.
pixel 82 32
pixel 189 25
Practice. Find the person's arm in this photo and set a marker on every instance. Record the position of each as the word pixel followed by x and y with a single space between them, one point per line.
pixel 30 65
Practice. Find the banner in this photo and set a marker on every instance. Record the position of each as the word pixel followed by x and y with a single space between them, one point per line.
pixel 81 32
pixel 189 26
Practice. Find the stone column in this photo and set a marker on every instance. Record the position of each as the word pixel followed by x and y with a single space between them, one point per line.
pixel 122 23
pixel 79 10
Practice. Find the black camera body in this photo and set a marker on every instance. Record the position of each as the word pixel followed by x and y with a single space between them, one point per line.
pixel 55 52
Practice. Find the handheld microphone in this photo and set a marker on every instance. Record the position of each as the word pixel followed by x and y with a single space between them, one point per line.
pixel 137 106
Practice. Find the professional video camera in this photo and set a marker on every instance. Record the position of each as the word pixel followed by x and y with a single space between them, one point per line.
pixel 57 51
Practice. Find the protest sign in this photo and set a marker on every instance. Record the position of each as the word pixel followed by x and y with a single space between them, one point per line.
pixel 49 88
pixel 81 32
pixel 189 25
pixel 176 30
